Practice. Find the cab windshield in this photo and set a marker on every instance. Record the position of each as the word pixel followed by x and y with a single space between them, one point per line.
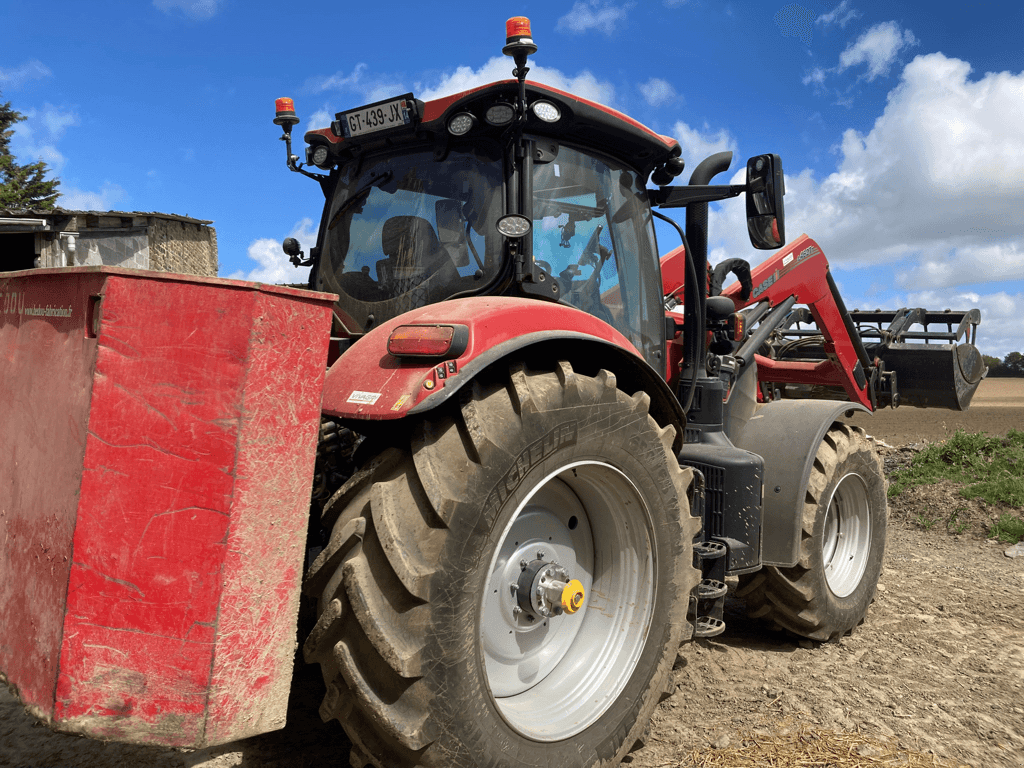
pixel 405 230
pixel 593 233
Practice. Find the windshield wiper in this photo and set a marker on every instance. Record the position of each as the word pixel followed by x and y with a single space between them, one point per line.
pixel 375 181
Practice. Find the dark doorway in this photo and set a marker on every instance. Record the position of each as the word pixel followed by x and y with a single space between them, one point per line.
pixel 17 251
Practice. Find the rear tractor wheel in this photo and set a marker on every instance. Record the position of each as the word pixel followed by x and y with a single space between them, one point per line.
pixel 827 593
pixel 507 587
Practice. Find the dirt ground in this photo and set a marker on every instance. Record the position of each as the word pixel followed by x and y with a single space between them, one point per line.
pixel 937 669
pixel 997 407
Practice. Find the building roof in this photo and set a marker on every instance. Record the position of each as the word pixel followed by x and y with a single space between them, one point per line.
pixel 64 212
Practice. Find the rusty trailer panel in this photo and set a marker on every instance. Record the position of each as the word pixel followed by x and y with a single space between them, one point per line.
pixel 156 455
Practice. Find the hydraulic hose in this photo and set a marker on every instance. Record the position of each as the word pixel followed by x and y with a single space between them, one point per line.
pixel 693 308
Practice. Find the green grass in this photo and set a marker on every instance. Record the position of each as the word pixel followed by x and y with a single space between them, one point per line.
pixel 989 468
pixel 1008 529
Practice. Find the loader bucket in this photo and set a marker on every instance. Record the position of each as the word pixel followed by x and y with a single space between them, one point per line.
pixel 931 352
pixel 934 375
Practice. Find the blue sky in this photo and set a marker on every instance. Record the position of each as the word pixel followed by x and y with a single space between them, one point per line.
pixel 900 124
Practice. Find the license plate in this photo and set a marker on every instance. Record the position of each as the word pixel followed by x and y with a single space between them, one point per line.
pixel 377 117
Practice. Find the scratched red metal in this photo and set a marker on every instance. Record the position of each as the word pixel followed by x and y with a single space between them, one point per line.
pixel 154 485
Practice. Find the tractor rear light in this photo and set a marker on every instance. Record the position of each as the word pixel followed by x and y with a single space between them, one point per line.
pixel 461 124
pixel 437 341
pixel 546 111
pixel 500 114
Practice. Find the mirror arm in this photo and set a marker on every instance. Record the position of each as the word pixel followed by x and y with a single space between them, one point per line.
pixel 680 197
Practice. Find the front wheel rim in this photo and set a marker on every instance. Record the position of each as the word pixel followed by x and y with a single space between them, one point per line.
pixel 846 541
pixel 551 679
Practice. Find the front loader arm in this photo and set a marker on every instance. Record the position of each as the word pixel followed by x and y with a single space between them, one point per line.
pixel 801 270
pixel 876 358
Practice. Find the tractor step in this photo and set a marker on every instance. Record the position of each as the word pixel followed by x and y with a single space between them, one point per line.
pixel 707 601
pixel 711 589
pixel 709 550
pixel 705 626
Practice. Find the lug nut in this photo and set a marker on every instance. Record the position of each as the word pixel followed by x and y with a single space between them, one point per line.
pixel 540 554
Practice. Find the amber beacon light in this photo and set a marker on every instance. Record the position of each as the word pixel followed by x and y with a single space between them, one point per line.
pixel 285 109
pixel 518 37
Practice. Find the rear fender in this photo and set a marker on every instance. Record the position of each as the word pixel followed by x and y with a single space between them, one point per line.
pixel 369 384
pixel 787 433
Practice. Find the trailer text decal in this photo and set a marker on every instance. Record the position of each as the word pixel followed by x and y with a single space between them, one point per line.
pixel 13 303
pixel 534 454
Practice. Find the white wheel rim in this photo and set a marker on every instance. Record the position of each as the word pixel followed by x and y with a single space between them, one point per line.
pixel 554 678
pixel 846 542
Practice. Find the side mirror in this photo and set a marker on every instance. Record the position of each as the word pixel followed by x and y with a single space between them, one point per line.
pixel 765 211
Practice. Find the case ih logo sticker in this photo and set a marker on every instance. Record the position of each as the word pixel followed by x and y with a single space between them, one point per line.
pixel 789 263
pixel 534 454
pixel 13 303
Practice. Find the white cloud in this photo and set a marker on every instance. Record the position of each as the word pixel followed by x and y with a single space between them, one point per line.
pixel 842 15
pixel 35 138
pixel 593 14
pixel 370 86
pixel 878 48
pixel 816 76
pixel 107 199
pixel 273 266
pixel 657 91
pixel 928 197
pixel 18 76
pixel 500 68
pixel 322 118
pixel 697 145
pixel 197 9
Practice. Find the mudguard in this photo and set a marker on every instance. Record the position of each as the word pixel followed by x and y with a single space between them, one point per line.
pixel 787 434
pixel 367 383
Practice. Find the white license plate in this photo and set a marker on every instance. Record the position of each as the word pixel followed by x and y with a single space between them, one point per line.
pixel 379 117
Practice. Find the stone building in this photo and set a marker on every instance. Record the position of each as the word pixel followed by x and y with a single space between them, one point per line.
pixel 158 241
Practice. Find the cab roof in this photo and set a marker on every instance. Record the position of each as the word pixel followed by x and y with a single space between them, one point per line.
pixel 583 122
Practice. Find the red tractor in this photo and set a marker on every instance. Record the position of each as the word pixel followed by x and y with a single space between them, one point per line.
pixel 543 450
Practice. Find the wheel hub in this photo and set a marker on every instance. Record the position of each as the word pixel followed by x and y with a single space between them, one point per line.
pixel 544 590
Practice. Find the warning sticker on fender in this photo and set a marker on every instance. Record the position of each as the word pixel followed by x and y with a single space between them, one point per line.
pixel 363 398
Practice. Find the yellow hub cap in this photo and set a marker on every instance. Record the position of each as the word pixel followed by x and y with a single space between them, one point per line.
pixel 572 596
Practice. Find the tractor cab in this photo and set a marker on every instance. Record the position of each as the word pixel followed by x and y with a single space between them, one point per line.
pixel 512 189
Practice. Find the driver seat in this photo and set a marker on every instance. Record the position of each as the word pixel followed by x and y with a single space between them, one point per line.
pixel 413 252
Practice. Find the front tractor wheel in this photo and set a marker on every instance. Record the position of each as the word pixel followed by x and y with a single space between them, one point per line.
pixel 828 592
pixel 508 587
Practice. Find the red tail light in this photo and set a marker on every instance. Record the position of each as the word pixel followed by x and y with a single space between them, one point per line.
pixel 441 341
